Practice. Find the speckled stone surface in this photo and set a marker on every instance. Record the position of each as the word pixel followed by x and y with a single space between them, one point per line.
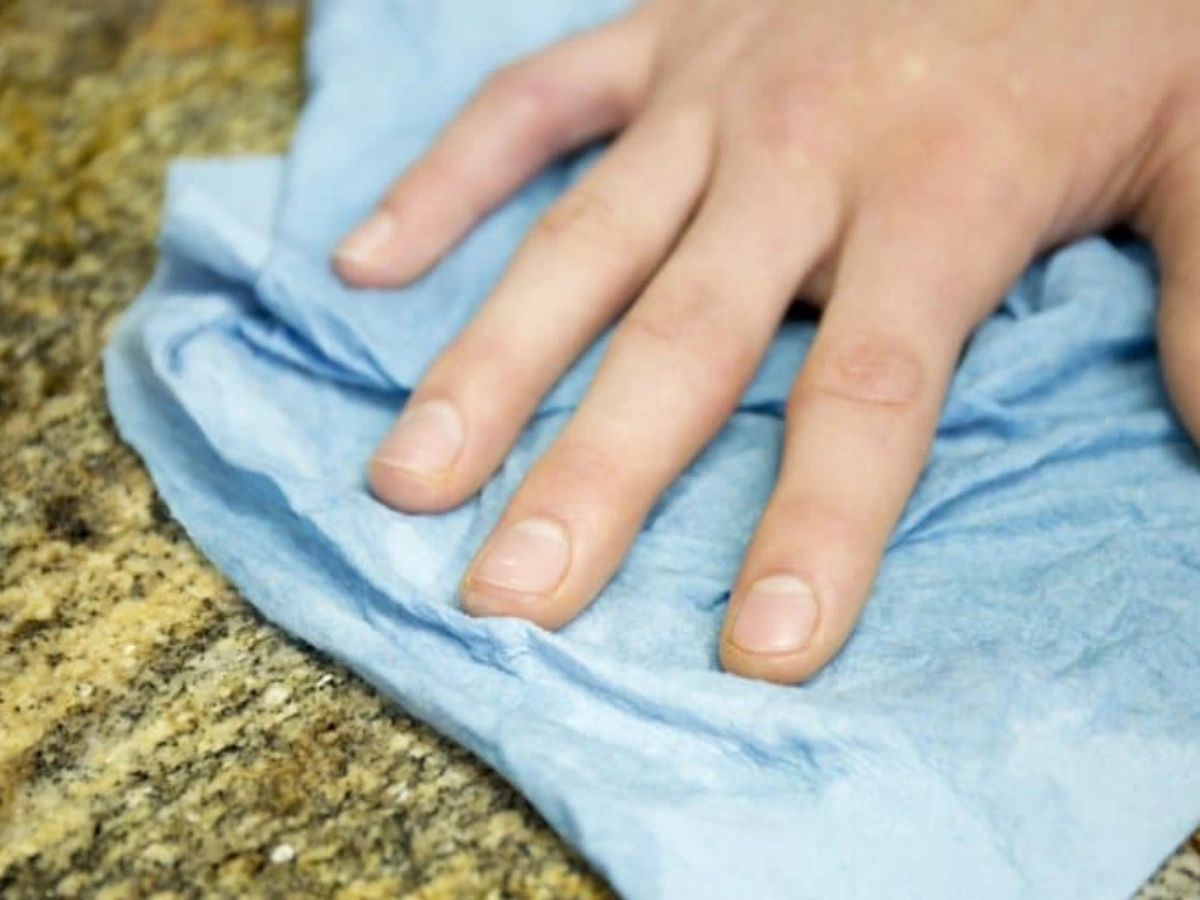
pixel 156 738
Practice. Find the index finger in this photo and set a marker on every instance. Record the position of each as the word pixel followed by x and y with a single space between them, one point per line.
pixel 525 115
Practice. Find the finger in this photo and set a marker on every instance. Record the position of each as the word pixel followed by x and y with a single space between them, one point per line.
pixel 579 267
pixel 1176 235
pixel 524 116
pixel 671 376
pixel 860 419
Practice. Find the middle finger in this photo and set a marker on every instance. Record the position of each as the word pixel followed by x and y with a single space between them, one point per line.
pixel 673 373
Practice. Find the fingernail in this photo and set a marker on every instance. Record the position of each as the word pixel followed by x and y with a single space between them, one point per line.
pixel 425 439
pixel 777 616
pixel 528 558
pixel 366 243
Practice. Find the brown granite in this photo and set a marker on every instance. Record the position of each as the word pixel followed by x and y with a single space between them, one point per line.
pixel 156 738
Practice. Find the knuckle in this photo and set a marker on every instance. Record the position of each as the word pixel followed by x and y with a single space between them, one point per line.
pixel 880 371
pixel 576 472
pixel 979 163
pixel 778 122
pixel 935 160
pixel 956 145
pixel 675 314
pixel 689 325
pixel 786 118
pixel 659 330
pixel 517 83
pixel 965 168
pixel 526 93
pixel 580 214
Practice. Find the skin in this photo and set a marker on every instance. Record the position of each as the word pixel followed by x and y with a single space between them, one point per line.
pixel 766 150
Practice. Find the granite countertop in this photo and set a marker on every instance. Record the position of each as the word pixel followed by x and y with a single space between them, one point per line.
pixel 156 737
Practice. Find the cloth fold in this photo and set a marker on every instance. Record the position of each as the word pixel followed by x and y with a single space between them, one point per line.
pixel 1017 715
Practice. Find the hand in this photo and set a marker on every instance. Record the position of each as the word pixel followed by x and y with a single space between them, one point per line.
pixel 895 162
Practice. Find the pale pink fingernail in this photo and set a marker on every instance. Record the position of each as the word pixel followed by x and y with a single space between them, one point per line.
pixel 778 615
pixel 367 242
pixel 528 558
pixel 426 438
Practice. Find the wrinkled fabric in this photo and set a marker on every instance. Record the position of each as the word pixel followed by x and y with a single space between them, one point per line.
pixel 1017 715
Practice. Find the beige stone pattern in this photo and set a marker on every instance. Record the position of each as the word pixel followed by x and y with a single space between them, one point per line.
pixel 156 738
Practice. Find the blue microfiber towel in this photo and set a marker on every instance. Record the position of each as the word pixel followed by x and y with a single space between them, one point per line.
pixel 1018 712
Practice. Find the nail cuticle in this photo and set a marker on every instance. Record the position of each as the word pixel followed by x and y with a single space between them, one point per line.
pixel 778 616
pixel 528 559
pixel 427 440
pixel 372 235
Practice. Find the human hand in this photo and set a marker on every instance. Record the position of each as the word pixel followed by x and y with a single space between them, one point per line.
pixel 896 163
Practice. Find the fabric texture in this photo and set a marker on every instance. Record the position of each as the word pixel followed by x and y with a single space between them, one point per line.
pixel 1017 715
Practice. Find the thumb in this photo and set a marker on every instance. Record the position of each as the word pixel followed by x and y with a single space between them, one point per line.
pixel 1175 230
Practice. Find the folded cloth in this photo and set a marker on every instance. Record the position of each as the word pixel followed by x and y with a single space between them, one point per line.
pixel 1018 712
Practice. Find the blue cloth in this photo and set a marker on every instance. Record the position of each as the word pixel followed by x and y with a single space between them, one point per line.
pixel 1018 712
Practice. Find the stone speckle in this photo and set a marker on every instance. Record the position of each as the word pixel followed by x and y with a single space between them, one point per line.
pixel 156 737
pixel 282 853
